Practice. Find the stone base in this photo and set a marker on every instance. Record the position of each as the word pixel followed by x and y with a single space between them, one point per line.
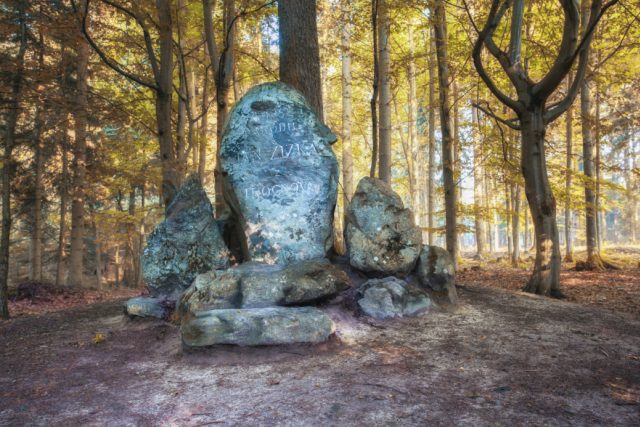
pixel 146 307
pixel 256 326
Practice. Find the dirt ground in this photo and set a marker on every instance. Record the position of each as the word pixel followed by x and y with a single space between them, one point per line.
pixel 504 358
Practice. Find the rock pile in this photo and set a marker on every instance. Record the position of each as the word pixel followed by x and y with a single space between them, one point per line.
pixel 280 177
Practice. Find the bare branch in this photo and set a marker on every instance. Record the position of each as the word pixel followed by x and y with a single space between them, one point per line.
pixel 477 59
pixel 114 65
pixel 490 113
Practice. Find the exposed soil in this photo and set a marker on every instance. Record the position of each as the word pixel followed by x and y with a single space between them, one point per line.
pixel 503 358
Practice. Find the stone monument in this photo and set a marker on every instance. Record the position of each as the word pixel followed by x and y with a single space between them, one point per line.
pixel 280 176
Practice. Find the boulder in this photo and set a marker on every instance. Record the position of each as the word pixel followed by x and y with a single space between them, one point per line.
pixel 301 283
pixel 254 285
pixel 436 271
pixel 147 307
pixel 256 326
pixel 184 245
pixel 391 297
pixel 381 235
pixel 212 290
pixel 280 176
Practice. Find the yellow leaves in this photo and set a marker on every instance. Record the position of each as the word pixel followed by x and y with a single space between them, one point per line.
pixel 98 338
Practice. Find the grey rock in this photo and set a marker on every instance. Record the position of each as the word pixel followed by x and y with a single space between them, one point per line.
pixel 391 297
pixel 253 285
pixel 381 235
pixel 184 245
pixel 436 271
pixel 216 289
pixel 146 307
pixel 300 283
pixel 280 176
pixel 257 326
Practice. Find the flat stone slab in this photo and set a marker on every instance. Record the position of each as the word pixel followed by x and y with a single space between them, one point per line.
pixel 255 285
pixel 145 307
pixel 280 175
pixel 256 326
pixel 391 297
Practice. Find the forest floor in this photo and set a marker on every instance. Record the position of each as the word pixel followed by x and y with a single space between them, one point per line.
pixel 501 358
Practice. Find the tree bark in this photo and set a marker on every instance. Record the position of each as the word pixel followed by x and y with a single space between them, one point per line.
pixel 432 137
pixel 440 30
pixel 80 114
pixel 7 161
pixel 568 217
pixel 415 158
pixel 384 83
pixel 164 91
pixel 545 279
pixel 478 180
pixel 347 155
pixel 374 95
pixel 299 51
pixel 64 195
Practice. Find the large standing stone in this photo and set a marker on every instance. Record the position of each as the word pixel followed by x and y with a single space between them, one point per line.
pixel 257 326
pixel 391 297
pixel 280 175
pixel 185 244
pixel 381 235
pixel 254 285
pixel 436 271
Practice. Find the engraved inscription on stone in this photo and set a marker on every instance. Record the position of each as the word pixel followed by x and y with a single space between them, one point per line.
pixel 278 164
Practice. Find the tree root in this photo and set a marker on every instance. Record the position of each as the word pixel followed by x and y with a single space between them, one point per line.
pixel 596 263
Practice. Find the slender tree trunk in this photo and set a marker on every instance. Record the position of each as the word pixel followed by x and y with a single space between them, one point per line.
pixel 80 113
pixel 64 195
pixel 432 136
pixel 507 206
pixel 347 155
pixel 7 161
pixel 204 124
pixel 478 180
pixel 515 224
pixel 374 95
pixel 598 172
pixel 545 279
pixel 35 264
pixel 568 217
pixel 415 156
pixel 384 82
pixel 440 30
pixel 593 256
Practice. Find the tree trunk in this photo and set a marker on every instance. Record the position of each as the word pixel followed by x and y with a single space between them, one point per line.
pixel 440 30
pixel 515 224
pixel 80 113
pixel 299 51
pixel 415 158
pixel 374 95
pixel 431 194
pixel 35 264
pixel 478 179
pixel 7 161
pixel 63 194
pixel 507 206
pixel 568 217
pixel 347 155
pixel 545 279
pixel 384 83
pixel 597 172
pixel 204 124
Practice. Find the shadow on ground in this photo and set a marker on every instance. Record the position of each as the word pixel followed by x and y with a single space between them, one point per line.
pixel 502 358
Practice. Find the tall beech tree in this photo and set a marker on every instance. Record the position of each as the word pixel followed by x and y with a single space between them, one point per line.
pixel 534 114
pixel 447 141
pixel 299 51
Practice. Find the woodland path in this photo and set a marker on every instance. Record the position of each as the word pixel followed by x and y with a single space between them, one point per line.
pixel 503 358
